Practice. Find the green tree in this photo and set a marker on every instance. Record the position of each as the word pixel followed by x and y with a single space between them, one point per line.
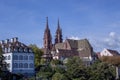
pixel 4 74
pixel 76 70
pixel 101 71
pixel 114 60
pixel 45 72
pixel 59 76
pixel 38 53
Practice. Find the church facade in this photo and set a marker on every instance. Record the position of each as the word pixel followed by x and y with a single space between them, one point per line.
pixel 69 48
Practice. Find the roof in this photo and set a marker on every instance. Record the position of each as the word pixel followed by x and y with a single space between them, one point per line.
pixel 113 52
pixel 83 43
pixel 79 47
pixel 13 46
pixel 59 46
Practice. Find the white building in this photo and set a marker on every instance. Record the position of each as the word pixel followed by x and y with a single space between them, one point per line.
pixel 18 56
pixel 108 52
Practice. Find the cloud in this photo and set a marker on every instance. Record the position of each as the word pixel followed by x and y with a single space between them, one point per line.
pixel 110 42
pixel 74 37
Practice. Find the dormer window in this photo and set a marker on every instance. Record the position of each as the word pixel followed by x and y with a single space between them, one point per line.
pixel 25 50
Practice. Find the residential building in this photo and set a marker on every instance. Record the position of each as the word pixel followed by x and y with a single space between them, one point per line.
pixel 109 52
pixel 18 56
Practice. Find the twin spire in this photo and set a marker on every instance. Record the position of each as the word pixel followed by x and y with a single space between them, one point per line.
pixel 47 36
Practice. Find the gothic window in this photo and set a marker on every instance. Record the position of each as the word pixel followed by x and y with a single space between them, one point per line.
pixel 31 65
pixel 25 57
pixel 9 57
pixel 30 57
pixel 25 65
pixel 15 57
pixel 20 57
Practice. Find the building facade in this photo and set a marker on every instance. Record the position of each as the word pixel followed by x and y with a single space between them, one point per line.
pixel 18 56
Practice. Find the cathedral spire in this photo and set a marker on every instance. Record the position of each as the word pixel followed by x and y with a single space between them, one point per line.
pixel 47 27
pixel 47 37
pixel 58 36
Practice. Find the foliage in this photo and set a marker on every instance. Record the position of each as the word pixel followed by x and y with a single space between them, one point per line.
pixel 59 76
pixel 45 72
pixel 102 71
pixel 38 53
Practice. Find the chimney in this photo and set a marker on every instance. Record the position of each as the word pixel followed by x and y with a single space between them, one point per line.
pixel 7 40
pixel 12 40
pixel 15 39
pixel 2 42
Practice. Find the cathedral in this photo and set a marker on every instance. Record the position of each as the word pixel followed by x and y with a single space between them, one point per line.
pixel 69 48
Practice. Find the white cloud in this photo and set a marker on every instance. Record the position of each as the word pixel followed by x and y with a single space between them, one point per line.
pixel 74 37
pixel 110 42
pixel 112 34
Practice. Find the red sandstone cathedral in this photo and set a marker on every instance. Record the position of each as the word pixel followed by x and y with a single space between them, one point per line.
pixel 69 48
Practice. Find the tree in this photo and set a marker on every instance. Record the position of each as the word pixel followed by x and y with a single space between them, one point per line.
pixel 59 76
pixel 114 60
pixel 38 53
pixel 4 74
pixel 76 69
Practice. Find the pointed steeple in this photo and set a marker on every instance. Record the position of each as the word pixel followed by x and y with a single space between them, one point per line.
pixel 47 36
pixel 47 27
pixel 58 36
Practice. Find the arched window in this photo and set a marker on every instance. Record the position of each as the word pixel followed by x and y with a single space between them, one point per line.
pixel 5 57
pixel 25 65
pixel 20 57
pixel 25 57
pixel 30 57
pixel 6 50
pixel 31 65
pixel 15 57
pixel 15 65
pixel 20 65
pixel 9 57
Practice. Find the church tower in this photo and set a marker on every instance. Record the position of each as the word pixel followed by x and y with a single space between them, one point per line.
pixel 58 36
pixel 47 37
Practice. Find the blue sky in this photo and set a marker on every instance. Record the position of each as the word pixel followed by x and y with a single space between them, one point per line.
pixel 96 20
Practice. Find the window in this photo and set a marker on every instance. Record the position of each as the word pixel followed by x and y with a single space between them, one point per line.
pixel 25 57
pixel 30 57
pixel 15 57
pixel 26 50
pixel 15 65
pixel 20 49
pixel 9 57
pixel 31 65
pixel 25 65
pixel 8 65
pixel 20 65
pixel 5 57
pixel 20 57
pixel 6 50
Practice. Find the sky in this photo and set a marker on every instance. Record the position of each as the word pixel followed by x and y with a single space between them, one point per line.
pixel 96 20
